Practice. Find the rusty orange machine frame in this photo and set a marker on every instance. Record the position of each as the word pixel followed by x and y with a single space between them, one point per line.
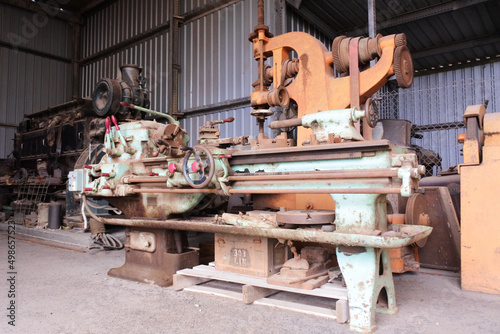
pixel 316 87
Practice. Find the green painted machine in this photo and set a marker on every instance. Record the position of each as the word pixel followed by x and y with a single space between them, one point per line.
pixel 149 172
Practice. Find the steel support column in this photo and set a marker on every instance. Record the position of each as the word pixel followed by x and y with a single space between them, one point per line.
pixel 174 66
pixel 74 63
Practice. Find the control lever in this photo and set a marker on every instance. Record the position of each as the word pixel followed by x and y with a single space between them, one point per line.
pixel 107 122
pixel 212 123
pixel 186 148
pixel 122 140
pixel 108 142
pixel 286 123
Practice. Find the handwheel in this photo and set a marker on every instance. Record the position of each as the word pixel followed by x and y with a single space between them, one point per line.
pixel 198 167
pixel 371 112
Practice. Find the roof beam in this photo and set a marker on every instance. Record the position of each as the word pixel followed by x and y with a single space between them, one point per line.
pixel 414 16
pixel 44 8
pixel 493 39
pixel 313 19
pixel 94 5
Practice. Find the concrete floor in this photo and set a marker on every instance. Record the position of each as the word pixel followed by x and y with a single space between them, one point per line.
pixel 61 291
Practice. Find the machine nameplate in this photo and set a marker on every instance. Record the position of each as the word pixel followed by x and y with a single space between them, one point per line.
pixel 240 257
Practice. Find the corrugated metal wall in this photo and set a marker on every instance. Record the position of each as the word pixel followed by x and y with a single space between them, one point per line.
pixel 436 101
pixel 218 65
pixel 217 62
pixel 189 5
pixel 295 22
pixel 30 82
pixel 120 21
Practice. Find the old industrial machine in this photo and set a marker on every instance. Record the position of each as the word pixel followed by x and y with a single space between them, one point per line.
pixel 48 144
pixel 157 180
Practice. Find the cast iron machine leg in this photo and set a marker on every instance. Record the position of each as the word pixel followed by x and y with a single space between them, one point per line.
pixel 366 270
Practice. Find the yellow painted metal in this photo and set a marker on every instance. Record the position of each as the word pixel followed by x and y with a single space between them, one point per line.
pixel 480 227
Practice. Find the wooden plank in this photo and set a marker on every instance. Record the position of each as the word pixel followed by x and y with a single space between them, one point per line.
pixel 252 293
pixel 212 291
pixel 297 307
pixel 342 311
pixel 257 294
pixel 181 281
pixel 329 290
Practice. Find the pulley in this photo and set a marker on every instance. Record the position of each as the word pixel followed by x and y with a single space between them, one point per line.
pixel 417 213
pixel 403 66
pixel 106 97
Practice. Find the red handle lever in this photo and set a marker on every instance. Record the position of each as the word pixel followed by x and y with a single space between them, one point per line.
pixel 107 122
pixel 228 120
pixel 113 118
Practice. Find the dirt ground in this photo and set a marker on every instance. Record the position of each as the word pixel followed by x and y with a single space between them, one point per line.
pixel 61 291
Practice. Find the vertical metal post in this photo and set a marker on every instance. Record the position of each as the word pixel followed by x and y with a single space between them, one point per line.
pixel 75 93
pixel 372 32
pixel 280 17
pixel 372 19
pixel 173 59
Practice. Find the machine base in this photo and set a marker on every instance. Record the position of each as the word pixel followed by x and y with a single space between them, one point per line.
pixel 151 257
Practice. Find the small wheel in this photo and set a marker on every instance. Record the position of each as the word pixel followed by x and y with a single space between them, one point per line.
pixel 371 113
pixel 196 174
pixel 403 66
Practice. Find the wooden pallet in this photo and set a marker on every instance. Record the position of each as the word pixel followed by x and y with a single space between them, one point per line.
pixel 256 290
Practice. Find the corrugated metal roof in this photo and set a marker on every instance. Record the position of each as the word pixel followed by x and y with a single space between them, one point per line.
pixel 439 33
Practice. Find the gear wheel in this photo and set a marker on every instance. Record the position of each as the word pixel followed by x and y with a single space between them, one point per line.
pixel 338 56
pixel 400 40
pixel 403 66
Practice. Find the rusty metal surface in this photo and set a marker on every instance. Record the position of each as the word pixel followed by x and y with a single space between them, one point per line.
pixel 309 153
pixel 325 92
pixel 173 191
pixel 451 181
pixel 442 249
pixel 334 174
pixel 382 191
pixel 307 270
pixel 415 206
pixel 205 225
pixel 306 217
pixel 398 131
pixel 153 265
pixel 249 255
